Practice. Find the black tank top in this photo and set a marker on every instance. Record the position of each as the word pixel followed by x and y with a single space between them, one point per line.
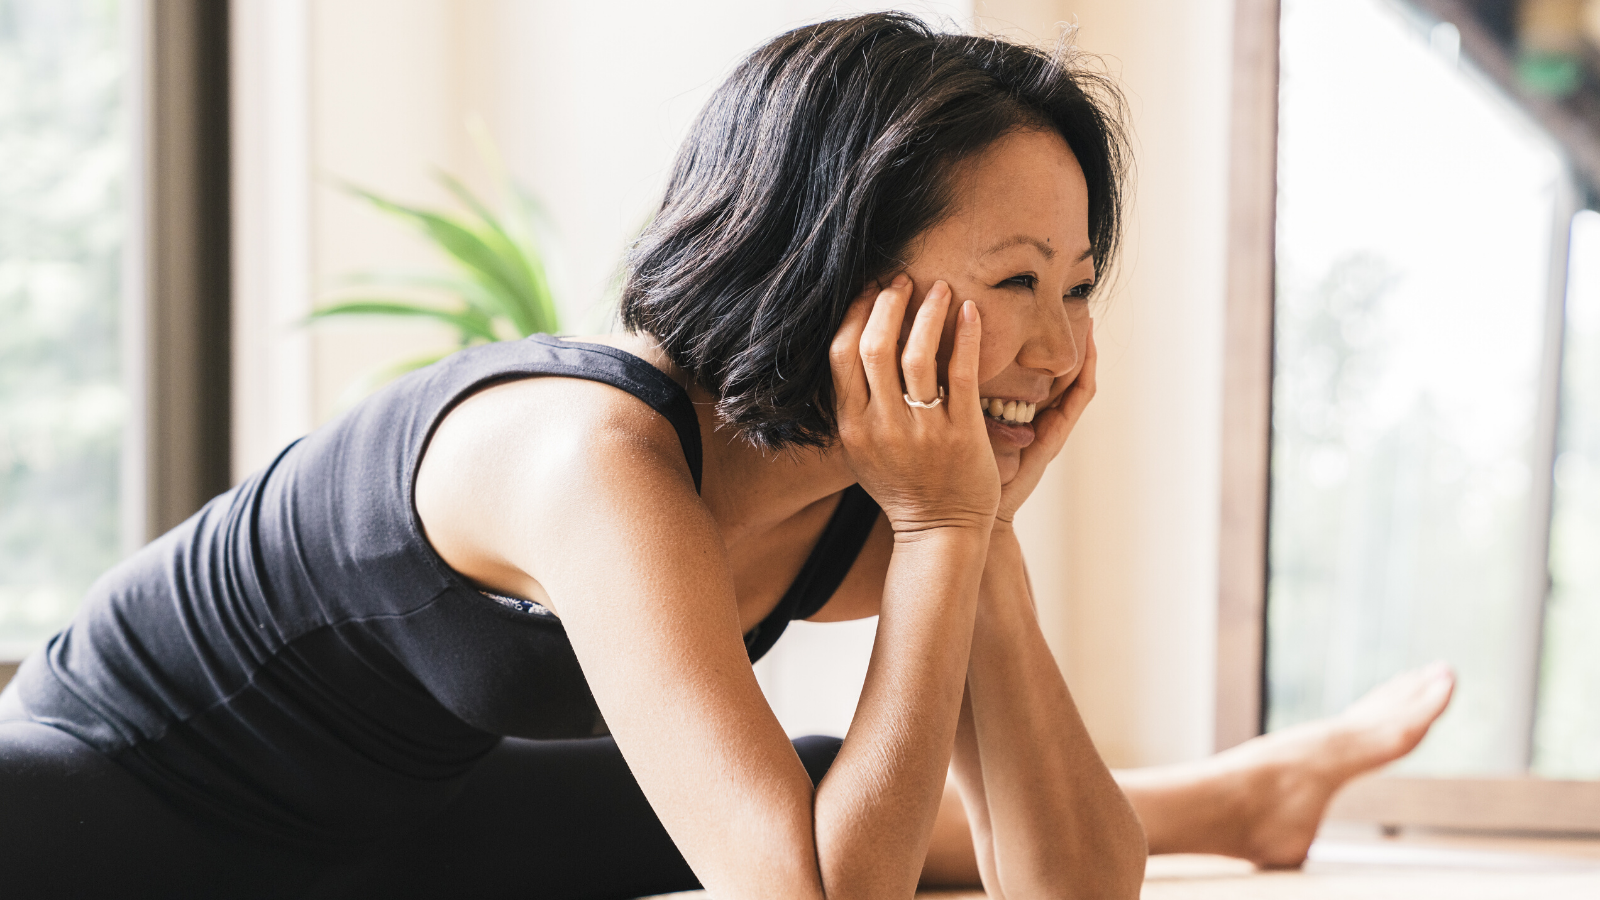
pixel 296 660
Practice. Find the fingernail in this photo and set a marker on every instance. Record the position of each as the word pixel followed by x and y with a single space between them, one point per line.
pixel 969 311
pixel 900 280
pixel 938 291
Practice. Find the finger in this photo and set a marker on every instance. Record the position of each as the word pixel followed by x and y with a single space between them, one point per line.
pixel 844 357
pixel 920 361
pixel 964 359
pixel 880 341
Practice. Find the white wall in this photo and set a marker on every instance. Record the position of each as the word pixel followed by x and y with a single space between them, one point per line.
pixel 591 101
pixel 271 227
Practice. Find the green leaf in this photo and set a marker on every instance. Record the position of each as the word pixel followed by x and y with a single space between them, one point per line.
pixel 471 324
pixel 535 305
pixel 469 291
pixel 471 251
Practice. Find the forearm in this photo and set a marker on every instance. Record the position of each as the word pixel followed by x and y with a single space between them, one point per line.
pixel 1060 826
pixel 874 811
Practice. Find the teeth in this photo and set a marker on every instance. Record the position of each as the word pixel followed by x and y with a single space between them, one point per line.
pixel 1013 411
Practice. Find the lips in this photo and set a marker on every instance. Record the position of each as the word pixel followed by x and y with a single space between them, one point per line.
pixel 1017 434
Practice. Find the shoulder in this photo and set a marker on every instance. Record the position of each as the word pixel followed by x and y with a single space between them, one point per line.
pixel 518 471
pixel 552 425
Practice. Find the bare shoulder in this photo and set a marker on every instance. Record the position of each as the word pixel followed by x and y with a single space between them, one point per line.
pixel 518 469
pixel 861 593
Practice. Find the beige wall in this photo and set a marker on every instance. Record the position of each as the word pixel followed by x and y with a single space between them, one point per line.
pixel 1122 538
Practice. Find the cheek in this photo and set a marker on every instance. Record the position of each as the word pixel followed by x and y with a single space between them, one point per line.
pixel 997 349
pixel 1080 342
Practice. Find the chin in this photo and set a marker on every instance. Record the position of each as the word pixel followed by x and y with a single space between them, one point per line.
pixel 1008 464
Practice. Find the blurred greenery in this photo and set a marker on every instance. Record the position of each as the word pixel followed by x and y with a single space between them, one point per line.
pixel 496 287
pixel 1392 541
pixel 1405 479
pixel 63 139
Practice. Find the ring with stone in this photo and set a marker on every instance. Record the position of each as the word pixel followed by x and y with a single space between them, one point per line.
pixel 918 404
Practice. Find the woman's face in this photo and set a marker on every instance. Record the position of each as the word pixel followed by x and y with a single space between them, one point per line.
pixel 1016 243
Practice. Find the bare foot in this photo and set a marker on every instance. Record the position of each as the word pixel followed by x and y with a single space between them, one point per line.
pixel 1262 800
pixel 1282 782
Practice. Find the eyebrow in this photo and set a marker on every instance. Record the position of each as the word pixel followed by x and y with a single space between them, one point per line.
pixel 1048 251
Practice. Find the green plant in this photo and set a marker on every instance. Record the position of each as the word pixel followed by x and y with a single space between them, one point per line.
pixel 497 288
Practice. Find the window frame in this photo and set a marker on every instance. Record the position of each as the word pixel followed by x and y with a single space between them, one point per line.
pixel 180 329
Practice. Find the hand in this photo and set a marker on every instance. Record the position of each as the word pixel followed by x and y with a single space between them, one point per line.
pixel 927 468
pixel 1050 430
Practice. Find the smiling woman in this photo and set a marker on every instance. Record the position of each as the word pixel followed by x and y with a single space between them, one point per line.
pixel 836 189
pixel 490 633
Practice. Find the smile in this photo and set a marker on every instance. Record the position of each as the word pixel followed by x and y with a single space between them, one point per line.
pixel 1010 411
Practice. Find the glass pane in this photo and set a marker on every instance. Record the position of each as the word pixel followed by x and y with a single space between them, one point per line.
pixel 1567 734
pixel 64 142
pixel 1415 214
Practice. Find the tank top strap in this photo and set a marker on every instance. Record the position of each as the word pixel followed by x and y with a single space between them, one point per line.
pixel 822 572
pixel 624 371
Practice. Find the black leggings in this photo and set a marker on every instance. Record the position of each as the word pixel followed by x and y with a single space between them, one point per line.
pixel 546 819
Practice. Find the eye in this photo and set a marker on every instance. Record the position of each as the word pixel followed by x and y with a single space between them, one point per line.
pixel 1081 292
pixel 1028 281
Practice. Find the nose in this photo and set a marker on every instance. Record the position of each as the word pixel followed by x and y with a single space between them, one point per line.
pixel 1051 346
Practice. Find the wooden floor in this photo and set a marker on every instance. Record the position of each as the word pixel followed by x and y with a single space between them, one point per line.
pixel 1356 863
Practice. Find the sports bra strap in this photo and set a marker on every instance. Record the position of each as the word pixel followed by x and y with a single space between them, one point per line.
pixel 823 571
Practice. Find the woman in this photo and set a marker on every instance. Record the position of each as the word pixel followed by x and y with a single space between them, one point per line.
pixel 858 331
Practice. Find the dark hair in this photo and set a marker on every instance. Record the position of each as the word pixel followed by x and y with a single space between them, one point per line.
pixel 808 175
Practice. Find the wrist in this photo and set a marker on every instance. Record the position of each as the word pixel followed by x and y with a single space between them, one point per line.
pixel 960 531
pixel 939 524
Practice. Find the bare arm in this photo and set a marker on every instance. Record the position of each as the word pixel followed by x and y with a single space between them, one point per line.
pixel 1047 818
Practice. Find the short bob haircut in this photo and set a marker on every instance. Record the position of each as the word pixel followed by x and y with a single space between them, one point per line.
pixel 808 176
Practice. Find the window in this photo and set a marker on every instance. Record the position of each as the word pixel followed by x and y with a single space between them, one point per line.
pixel 1422 248
pixel 64 130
